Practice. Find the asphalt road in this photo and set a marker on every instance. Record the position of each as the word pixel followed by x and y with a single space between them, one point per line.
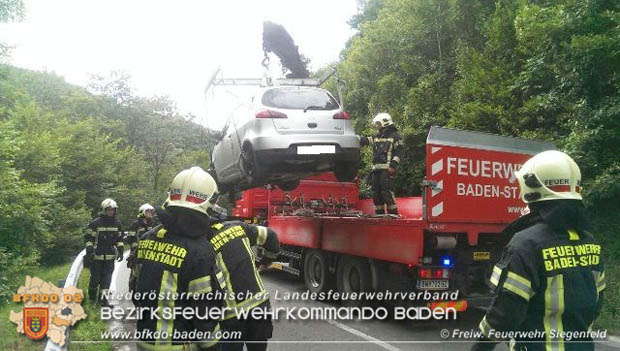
pixel 346 335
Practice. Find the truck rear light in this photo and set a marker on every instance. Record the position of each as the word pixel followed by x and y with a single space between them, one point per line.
pixel 270 114
pixel 425 273
pixel 441 273
pixel 342 115
pixel 434 273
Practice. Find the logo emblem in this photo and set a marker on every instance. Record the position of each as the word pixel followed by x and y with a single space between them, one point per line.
pixel 36 322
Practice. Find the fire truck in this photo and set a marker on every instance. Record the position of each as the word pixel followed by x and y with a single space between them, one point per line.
pixel 447 239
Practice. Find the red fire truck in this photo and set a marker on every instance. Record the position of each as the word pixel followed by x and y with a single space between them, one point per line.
pixel 445 240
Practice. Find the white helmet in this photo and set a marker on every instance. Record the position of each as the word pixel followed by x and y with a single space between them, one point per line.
pixel 550 175
pixel 108 203
pixel 194 189
pixel 142 210
pixel 383 120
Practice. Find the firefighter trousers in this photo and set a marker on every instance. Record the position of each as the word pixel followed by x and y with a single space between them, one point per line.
pixel 256 330
pixel 382 192
pixel 100 276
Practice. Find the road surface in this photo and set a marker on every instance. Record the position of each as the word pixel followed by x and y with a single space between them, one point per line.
pixel 353 335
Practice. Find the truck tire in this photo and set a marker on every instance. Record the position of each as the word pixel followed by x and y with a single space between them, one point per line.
pixel 353 275
pixel 316 271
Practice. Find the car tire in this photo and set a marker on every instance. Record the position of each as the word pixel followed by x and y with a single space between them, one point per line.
pixel 248 165
pixel 316 272
pixel 288 186
pixel 346 171
pixel 353 275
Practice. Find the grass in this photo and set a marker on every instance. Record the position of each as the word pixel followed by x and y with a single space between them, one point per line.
pixel 88 329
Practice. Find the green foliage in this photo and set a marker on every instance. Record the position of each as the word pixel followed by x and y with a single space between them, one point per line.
pixel 527 68
pixel 64 149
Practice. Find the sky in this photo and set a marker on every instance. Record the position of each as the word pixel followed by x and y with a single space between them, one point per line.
pixel 170 47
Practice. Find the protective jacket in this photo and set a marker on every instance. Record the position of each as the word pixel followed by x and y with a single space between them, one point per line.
pixel 233 242
pixel 177 258
pixel 104 234
pixel 137 229
pixel 387 148
pixel 549 284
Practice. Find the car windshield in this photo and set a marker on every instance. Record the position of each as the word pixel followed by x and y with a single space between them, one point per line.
pixel 299 99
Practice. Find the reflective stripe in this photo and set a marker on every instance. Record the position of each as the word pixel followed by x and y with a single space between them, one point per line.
pixel 134 244
pixel 383 140
pixel 200 285
pixel 270 254
pixel 518 285
pixel 145 346
pixel 120 244
pixel 262 235
pixel 599 280
pixel 554 309
pixel 90 232
pixel 246 243
pixel 131 233
pixel 396 159
pixel 246 305
pixel 380 166
pixel 497 272
pixel 207 343
pixel 107 229
pixel 230 303
pixel 573 235
pixel 217 226
pixel 221 279
pixel 484 326
pixel 104 257
pixel 168 286
pixel 89 243
pixel 161 233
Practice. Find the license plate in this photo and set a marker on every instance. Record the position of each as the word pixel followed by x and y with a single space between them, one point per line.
pixel 482 256
pixel 316 149
pixel 427 284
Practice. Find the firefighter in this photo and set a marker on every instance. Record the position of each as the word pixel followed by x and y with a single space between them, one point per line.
pixel 550 278
pixel 233 242
pixel 104 243
pixel 176 258
pixel 386 153
pixel 139 227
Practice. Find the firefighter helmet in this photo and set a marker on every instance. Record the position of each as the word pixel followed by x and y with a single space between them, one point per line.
pixel 194 189
pixel 550 175
pixel 142 210
pixel 108 203
pixel 382 120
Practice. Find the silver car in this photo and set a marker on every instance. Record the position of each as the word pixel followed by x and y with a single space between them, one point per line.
pixel 284 134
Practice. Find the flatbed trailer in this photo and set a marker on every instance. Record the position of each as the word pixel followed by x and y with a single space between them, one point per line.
pixel 448 239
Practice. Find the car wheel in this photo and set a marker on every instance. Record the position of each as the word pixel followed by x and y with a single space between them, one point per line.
pixel 288 186
pixel 346 171
pixel 248 165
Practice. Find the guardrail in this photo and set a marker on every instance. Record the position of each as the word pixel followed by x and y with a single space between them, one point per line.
pixel 72 280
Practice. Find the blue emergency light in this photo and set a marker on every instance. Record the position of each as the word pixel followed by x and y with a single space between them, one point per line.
pixel 446 261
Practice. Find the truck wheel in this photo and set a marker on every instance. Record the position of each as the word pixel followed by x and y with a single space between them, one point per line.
pixel 316 271
pixel 353 275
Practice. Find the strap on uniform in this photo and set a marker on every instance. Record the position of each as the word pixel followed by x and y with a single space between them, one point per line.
pixel 104 257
